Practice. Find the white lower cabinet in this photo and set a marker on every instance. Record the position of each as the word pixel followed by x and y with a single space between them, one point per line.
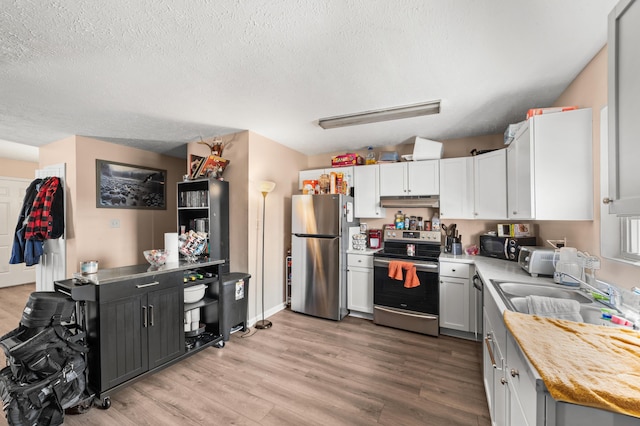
pixel 360 283
pixel 455 285
pixel 493 362
pixel 523 399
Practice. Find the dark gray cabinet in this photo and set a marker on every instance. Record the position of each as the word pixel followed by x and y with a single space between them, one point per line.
pixel 140 327
pixel 134 320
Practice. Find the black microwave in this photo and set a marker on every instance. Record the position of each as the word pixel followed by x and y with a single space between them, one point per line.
pixel 506 248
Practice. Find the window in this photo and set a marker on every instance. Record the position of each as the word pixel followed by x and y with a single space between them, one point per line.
pixel 619 235
pixel 630 238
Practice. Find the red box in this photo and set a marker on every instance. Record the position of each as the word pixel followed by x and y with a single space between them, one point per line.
pixel 349 159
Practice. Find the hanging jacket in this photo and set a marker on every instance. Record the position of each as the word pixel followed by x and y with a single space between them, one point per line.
pixel 19 242
pixel 41 218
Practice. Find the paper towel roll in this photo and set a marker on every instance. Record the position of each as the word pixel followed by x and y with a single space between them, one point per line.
pixel 171 244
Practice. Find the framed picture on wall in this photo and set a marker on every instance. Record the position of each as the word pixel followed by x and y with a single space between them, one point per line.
pixel 125 186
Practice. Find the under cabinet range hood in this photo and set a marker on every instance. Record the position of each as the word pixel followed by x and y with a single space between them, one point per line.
pixel 432 201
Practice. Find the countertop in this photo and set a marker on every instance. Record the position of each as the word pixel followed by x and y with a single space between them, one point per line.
pixel 494 269
pixel 105 276
pixel 367 251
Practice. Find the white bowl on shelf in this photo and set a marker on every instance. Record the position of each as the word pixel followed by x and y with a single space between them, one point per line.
pixel 194 293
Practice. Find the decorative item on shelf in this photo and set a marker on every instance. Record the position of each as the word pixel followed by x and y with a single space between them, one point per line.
pixel 212 167
pixel 156 257
pixel 216 146
pixel 192 244
pixel 265 188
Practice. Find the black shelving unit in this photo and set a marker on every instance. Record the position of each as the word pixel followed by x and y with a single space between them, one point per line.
pixel 203 205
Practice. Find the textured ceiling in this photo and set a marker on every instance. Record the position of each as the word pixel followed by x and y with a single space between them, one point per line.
pixel 157 74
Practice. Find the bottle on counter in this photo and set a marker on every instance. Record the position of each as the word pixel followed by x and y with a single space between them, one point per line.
pixel 324 183
pixel 419 225
pixel 399 220
pixel 333 183
pixel 413 225
pixel 371 156
pixel 435 222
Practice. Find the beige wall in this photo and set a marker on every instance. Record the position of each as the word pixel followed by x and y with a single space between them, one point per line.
pixel 17 168
pixel 236 148
pixel 254 158
pixel 89 235
pixel 589 89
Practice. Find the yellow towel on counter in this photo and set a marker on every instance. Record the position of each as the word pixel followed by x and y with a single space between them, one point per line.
pixel 583 364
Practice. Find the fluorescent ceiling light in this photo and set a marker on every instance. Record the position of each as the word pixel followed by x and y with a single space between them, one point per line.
pixel 415 110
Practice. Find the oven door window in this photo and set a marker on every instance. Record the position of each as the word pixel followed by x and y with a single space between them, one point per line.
pixel 392 293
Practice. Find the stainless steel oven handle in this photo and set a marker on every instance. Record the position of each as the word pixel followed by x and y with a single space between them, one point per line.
pixel 431 266
pixel 393 311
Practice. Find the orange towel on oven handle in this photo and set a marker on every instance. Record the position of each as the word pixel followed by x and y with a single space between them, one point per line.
pixel 395 271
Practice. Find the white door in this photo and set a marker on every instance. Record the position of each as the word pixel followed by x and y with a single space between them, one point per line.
pixel 53 263
pixel 12 193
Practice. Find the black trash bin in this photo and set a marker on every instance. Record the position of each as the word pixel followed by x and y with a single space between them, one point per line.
pixel 232 302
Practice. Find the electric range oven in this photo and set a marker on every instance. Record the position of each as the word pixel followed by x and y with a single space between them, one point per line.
pixel 416 308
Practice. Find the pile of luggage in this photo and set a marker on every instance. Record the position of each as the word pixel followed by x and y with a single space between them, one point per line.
pixel 45 373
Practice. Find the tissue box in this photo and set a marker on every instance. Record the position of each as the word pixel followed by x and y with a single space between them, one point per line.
pixel 348 159
pixel 425 149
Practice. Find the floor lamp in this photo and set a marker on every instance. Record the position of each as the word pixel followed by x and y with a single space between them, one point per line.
pixel 265 187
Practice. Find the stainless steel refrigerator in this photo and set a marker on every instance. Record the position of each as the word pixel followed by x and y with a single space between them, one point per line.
pixel 320 239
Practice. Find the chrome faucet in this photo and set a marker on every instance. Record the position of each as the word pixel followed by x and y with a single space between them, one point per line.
pixel 611 293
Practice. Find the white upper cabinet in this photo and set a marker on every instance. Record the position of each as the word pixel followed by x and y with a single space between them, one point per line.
pixel 490 185
pixel 366 181
pixel 411 178
pixel 456 188
pixel 550 168
pixel 624 104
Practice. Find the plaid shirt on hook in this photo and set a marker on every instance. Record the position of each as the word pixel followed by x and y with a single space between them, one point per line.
pixel 40 222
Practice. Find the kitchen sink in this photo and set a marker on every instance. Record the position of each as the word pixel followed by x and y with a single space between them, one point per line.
pixel 513 289
pixel 515 294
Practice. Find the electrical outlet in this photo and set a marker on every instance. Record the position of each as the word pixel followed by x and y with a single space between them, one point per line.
pixel 115 223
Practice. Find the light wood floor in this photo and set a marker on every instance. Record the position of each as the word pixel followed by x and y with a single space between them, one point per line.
pixel 303 371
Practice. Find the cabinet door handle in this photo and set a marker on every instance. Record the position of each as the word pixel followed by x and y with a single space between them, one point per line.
pixel 487 342
pixel 514 372
pixel 151 317
pixel 144 316
pixel 503 380
pixel 148 284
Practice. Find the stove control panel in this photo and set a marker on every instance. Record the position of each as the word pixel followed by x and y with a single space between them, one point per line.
pixel 412 236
